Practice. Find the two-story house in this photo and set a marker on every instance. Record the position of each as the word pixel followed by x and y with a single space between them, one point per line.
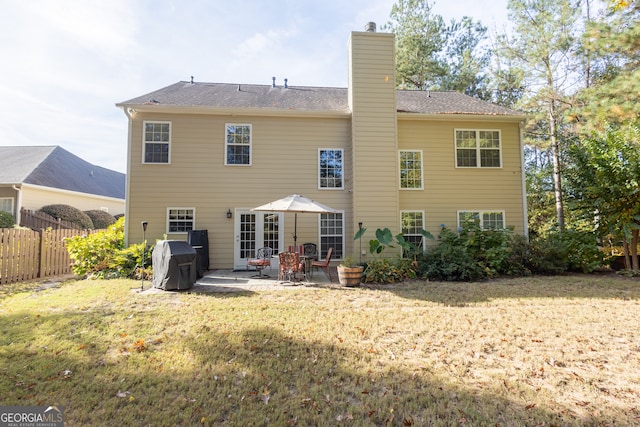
pixel 202 155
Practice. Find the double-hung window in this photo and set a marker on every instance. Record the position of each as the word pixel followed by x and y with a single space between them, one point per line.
pixel 237 144
pixel 331 235
pixel 412 223
pixel 487 220
pixel 411 169
pixel 6 204
pixel 156 142
pixel 180 220
pixel 330 169
pixel 478 148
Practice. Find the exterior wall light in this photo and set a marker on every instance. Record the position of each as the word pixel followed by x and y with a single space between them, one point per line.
pixel 229 214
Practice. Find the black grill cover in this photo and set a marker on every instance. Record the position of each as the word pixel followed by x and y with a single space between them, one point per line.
pixel 174 265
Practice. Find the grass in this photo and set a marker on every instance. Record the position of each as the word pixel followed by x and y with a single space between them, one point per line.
pixel 518 352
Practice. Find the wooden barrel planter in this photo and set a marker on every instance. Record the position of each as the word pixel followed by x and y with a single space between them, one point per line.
pixel 350 276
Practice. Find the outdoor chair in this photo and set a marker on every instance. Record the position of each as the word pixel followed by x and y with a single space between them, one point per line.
pixel 289 266
pixel 261 261
pixel 310 250
pixel 324 264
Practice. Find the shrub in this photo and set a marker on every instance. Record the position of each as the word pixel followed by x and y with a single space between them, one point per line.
pixel 100 219
pixel 546 255
pixel 69 213
pixel 449 262
pixel 6 220
pixel 383 270
pixel 102 254
pixel 583 253
pixel 571 250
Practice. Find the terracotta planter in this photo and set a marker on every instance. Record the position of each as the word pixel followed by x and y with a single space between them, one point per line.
pixel 350 276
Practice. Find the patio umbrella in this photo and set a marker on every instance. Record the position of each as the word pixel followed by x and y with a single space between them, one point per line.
pixel 297 204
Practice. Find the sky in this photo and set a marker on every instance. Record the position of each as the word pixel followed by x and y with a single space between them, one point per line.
pixel 66 63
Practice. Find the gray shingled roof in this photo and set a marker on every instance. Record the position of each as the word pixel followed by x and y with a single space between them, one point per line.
pixel 306 99
pixel 53 166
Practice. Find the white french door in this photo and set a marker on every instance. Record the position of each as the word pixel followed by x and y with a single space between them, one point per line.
pixel 254 230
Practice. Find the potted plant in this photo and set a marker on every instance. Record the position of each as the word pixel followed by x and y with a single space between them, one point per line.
pixel 350 273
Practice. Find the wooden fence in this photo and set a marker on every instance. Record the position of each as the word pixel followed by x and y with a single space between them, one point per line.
pixel 40 220
pixel 28 255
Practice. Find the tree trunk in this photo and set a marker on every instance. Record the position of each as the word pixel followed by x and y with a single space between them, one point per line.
pixel 557 181
pixel 634 251
pixel 627 256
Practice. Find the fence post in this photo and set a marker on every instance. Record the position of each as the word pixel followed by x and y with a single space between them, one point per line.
pixel 42 253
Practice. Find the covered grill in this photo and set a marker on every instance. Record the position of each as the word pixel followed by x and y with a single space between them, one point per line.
pixel 174 265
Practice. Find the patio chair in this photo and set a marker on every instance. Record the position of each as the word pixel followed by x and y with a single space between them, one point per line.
pixel 289 266
pixel 261 261
pixel 310 250
pixel 324 264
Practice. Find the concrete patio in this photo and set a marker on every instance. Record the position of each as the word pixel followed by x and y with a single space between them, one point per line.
pixel 249 281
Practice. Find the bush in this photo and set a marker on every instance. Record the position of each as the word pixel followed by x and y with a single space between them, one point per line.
pixel 100 219
pixel 571 250
pixel 6 220
pixel 69 213
pixel 583 253
pixel 449 262
pixel 102 255
pixel 383 270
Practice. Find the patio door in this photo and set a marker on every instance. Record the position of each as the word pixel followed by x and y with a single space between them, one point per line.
pixel 254 230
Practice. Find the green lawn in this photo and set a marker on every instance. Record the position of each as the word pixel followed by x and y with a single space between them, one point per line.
pixel 530 351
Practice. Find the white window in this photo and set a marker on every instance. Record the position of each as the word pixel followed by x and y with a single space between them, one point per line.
pixel 411 169
pixel 6 204
pixel 180 220
pixel 156 142
pixel 486 219
pixel 412 223
pixel 478 148
pixel 237 144
pixel 331 235
pixel 330 169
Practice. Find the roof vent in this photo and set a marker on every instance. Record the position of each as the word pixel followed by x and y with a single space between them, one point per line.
pixel 370 27
pixel 286 84
pixel 273 84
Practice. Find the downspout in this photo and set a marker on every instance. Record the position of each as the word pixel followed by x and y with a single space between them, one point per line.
pixel 129 113
pixel 18 203
pixel 524 183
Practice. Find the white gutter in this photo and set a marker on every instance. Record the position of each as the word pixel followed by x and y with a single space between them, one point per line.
pixel 231 111
pixel 129 113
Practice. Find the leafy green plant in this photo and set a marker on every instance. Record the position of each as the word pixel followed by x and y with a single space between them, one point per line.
pixel 102 255
pixel 348 262
pixel 450 260
pixel 69 213
pixel 385 239
pixel 6 220
pixel 384 270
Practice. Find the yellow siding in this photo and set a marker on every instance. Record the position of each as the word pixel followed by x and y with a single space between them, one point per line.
pixel 284 162
pixel 373 104
pixel 448 189
pixel 34 198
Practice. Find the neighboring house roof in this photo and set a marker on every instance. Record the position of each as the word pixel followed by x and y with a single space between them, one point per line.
pixel 53 166
pixel 307 99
